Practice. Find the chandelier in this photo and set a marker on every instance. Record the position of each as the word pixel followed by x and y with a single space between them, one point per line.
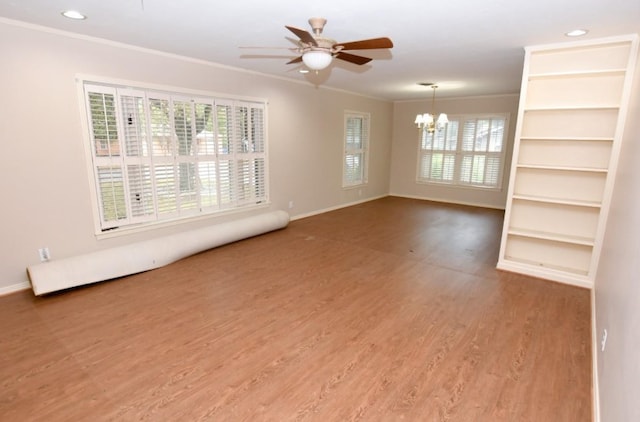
pixel 427 121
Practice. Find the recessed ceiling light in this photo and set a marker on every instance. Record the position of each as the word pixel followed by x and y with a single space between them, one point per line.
pixel 303 70
pixel 73 14
pixel 576 33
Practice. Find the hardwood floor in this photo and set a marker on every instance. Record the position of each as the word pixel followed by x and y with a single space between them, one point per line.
pixel 386 311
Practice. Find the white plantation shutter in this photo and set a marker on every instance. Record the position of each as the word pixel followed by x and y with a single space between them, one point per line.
pixel 226 169
pixel 141 195
pixel 482 141
pixel 205 149
pixel 163 152
pixel 108 163
pixel 137 156
pixel 438 154
pixel 249 155
pixel 112 198
pixel 471 156
pixel 184 129
pixel 258 131
pixel 165 189
pixel 356 149
pixel 161 155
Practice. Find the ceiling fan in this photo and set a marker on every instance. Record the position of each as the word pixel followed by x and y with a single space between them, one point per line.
pixel 318 51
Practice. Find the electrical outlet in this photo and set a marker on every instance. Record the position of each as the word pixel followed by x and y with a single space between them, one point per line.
pixel 44 254
pixel 603 343
pixel 290 204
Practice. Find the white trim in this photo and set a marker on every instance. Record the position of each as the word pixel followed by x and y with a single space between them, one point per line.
pixel 467 203
pixel 144 227
pixel 14 288
pixel 594 358
pixel 337 207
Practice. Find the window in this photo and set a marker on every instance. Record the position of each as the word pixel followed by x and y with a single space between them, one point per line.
pixel 159 156
pixel 356 149
pixel 469 151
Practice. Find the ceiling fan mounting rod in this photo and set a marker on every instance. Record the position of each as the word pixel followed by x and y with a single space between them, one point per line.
pixel 317 24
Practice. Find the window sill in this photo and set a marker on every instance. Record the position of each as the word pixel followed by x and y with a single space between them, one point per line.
pixel 156 225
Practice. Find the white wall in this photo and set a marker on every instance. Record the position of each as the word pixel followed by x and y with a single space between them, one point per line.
pixel 43 177
pixel 406 141
pixel 617 285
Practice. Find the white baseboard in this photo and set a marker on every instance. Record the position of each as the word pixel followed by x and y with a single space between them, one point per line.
pixel 337 207
pixel 25 285
pixel 470 204
pixel 594 358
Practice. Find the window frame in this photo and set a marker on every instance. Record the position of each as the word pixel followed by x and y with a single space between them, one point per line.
pixel 132 224
pixel 350 151
pixel 458 153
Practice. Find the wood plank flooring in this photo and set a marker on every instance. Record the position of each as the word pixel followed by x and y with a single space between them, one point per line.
pixel 386 311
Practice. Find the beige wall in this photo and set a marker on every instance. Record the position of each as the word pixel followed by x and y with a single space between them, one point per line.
pixel 405 149
pixel 43 175
pixel 617 285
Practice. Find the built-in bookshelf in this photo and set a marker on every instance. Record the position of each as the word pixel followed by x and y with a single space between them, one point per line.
pixel 568 134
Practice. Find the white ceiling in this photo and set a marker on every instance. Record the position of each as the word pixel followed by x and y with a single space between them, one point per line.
pixel 468 47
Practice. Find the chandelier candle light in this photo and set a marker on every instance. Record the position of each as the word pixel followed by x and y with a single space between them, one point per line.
pixel 427 121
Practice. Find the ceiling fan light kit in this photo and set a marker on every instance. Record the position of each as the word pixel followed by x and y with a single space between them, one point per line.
pixel 317 59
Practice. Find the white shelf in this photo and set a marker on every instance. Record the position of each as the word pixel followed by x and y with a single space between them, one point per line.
pixel 572 122
pixel 562 168
pixel 554 237
pixel 567 138
pixel 572 257
pixel 573 108
pixel 577 73
pixel 592 155
pixel 574 186
pixel 549 200
pixel 559 268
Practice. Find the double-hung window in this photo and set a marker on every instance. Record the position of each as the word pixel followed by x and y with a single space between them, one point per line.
pixel 163 155
pixel 356 149
pixel 468 151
